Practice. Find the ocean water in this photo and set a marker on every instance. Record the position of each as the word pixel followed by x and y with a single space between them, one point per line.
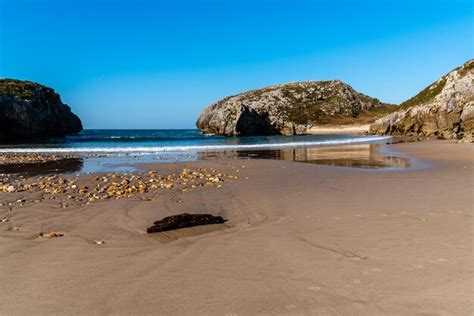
pixel 123 150
pixel 177 141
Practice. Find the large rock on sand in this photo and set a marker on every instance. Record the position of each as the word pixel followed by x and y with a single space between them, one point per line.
pixel 184 220
pixel 444 109
pixel 287 109
pixel 30 111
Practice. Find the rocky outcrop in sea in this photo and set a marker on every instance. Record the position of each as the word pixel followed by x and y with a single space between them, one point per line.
pixel 30 111
pixel 287 109
pixel 445 109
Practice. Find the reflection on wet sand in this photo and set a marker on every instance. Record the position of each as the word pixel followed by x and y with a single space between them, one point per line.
pixel 43 168
pixel 357 156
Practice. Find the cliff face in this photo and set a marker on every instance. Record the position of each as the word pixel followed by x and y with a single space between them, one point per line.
pixel 29 111
pixel 287 109
pixel 444 109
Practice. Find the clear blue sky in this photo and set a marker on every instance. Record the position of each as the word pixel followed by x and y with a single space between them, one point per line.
pixel 156 64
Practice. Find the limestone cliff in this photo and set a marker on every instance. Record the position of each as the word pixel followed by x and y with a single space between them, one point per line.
pixel 30 111
pixel 444 109
pixel 289 109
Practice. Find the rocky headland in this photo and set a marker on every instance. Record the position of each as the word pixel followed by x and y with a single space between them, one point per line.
pixel 290 109
pixel 445 109
pixel 31 111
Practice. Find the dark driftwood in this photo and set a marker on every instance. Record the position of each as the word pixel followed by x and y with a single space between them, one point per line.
pixel 184 220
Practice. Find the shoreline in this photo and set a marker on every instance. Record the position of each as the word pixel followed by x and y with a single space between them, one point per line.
pixel 363 155
pixel 310 238
pixel 185 148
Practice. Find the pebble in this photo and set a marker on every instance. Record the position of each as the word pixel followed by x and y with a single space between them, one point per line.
pixel 112 185
pixel 22 158
pixel 49 235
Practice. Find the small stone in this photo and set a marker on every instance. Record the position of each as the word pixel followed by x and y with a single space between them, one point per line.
pixel 216 179
pixel 49 235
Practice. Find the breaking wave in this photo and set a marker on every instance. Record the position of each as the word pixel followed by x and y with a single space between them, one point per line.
pixel 194 148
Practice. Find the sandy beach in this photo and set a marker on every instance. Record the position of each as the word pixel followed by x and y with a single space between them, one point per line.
pixel 236 158
pixel 339 129
pixel 301 239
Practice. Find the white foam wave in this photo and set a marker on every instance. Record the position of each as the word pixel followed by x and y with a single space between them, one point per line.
pixel 195 148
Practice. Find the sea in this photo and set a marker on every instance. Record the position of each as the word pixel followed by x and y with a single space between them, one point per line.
pixel 157 141
pixel 121 150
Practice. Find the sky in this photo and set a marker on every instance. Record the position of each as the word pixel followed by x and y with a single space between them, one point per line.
pixel 157 64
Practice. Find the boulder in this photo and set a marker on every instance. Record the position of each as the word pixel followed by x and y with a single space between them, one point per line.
pixel 287 109
pixel 184 220
pixel 30 111
pixel 444 109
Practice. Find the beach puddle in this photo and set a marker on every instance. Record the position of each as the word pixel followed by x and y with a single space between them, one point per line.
pixel 31 169
pixel 366 156
pixel 369 156
pixel 84 164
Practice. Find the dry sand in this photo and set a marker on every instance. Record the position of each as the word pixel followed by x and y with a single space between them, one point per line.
pixel 339 129
pixel 302 239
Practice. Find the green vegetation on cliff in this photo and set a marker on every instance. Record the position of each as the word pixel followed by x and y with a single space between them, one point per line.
pixel 426 95
pixel 20 88
pixel 330 106
pixel 429 93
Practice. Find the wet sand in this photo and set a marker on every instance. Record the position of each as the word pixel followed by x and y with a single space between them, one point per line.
pixel 370 156
pixel 302 239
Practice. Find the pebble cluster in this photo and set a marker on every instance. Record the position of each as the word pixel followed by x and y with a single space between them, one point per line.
pixel 109 186
pixel 21 158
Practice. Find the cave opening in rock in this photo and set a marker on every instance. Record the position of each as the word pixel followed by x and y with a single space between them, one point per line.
pixel 252 123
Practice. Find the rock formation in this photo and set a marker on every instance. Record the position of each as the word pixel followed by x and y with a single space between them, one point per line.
pixel 444 109
pixel 31 111
pixel 184 220
pixel 288 109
